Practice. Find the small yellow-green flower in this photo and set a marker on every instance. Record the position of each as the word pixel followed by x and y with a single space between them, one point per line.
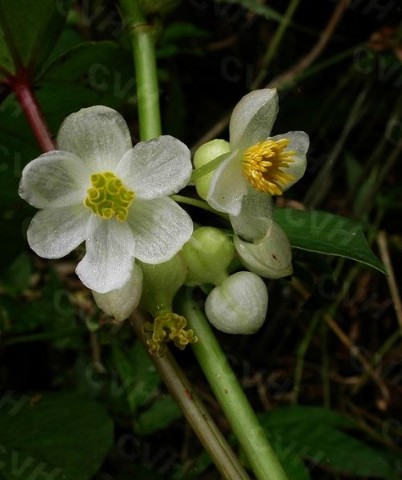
pixel 258 166
pixel 100 190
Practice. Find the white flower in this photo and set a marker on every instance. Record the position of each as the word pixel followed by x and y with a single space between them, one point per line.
pixel 239 305
pixel 98 189
pixel 258 166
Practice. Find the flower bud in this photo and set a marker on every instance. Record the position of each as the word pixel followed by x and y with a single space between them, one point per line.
pixel 270 257
pixel 239 305
pixel 207 254
pixel 203 155
pixel 161 283
pixel 120 303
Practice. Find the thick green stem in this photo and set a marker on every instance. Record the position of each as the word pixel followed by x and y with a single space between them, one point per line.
pixel 142 43
pixel 231 397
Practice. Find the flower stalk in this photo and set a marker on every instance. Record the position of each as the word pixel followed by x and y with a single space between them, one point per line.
pixel 26 98
pixel 142 43
pixel 230 395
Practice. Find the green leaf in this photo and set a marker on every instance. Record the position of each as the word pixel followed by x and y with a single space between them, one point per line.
pixel 16 278
pixel 323 232
pixel 97 63
pixel 314 433
pixel 256 7
pixel 138 374
pixel 62 435
pixel 28 32
pixel 160 415
pixel 293 466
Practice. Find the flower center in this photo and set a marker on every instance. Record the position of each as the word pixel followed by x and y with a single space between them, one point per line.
pixel 108 197
pixel 263 163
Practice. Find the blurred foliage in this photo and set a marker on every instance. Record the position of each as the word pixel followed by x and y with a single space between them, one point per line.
pixel 79 393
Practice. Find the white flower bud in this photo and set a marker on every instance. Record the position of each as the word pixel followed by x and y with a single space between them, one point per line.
pixel 239 305
pixel 270 257
pixel 120 303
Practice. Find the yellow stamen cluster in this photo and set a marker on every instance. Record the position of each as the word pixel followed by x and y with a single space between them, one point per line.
pixel 263 163
pixel 168 327
pixel 108 197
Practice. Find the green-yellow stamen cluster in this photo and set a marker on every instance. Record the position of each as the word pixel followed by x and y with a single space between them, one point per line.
pixel 168 327
pixel 108 197
pixel 263 163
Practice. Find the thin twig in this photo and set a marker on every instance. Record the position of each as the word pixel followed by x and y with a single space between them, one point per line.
pixel 290 75
pixel 354 351
pixel 393 287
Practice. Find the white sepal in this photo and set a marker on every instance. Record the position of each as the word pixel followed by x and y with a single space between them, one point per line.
pixel 271 257
pixel 239 305
pixel 120 303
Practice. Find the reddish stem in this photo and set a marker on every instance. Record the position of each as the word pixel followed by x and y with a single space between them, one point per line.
pixel 26 98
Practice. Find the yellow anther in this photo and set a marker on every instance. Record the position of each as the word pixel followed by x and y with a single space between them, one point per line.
pixel 263 163
pixel 108 197
pixel 168 327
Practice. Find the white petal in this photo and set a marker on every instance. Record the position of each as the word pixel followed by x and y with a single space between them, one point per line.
pixel 55 179
pixel 98 135
pixel 160 228
pixel 299 142
pixel 228 186
pixel 120 303
pixel 109 258
pixel 156 168
pixel 239 305
pixel 253 117
pixel 55 232
pixel 271 257
pixel 255 216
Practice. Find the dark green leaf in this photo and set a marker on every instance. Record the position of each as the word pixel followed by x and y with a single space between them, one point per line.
pixel 256 7
pixel 16 278
pixel 314 433
pixel 28 32
pixel 138 374
pixel 97 63
pixel 323 232
pixel 63 435
pixel 160 415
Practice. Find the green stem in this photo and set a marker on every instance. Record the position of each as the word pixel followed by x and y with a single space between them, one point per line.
pixel 142 43
pixel 195 202
pixel 231 397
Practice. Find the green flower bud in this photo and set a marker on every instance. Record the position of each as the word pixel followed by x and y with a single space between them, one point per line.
pixel 270 257
pixel 239 305
pixel 203 155
pixel 120 303
pixel 208 254
pixel 161 283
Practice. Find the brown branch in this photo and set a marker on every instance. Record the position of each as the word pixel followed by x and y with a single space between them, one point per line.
pixel 193 409
pixel 293 72
pixel 354 351
pixel 392 284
